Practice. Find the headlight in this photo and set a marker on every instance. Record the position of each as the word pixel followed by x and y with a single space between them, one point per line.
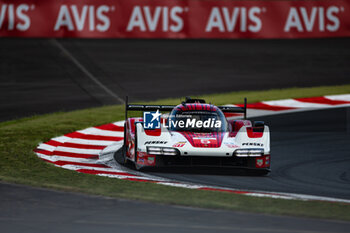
pixel 162 150
pixel 249 152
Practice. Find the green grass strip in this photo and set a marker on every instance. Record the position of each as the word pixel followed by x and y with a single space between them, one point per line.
pixel 19 164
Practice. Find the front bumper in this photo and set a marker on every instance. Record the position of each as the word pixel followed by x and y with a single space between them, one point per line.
pixel 261 162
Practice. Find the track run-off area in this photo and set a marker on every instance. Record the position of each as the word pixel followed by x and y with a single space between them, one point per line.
pixel 309 159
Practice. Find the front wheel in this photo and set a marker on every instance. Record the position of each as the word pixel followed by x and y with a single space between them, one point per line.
pixel 262 172
pixel 120 157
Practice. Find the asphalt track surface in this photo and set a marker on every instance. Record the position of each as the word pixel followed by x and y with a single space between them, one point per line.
pixel 25 209
pixel 41 76
pixel 309 155
pixel 46 75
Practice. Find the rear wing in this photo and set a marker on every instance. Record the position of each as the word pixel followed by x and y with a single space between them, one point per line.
pixel 236 109
pixel 142 107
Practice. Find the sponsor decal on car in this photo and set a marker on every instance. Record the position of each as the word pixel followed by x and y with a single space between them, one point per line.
pixel 141 161
pixel 151 161
pixel 263 162
pixel 231 145
pixel 179 144
pixel 145 159
pixel 205 141
pixel 259 162
pixel 267 161
pixel 252 144
pixel 155 142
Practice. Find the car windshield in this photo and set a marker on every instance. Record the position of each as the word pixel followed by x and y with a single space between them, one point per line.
pixel 197 121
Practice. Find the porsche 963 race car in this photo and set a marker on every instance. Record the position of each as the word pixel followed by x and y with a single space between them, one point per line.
pixel 194 133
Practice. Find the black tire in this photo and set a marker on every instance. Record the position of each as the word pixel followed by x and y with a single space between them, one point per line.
pixel 119 156
pixel 263 172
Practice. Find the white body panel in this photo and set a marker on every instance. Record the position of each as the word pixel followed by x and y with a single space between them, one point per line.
pixel 227 148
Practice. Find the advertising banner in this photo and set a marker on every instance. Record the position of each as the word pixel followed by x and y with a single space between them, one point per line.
pixel 226 19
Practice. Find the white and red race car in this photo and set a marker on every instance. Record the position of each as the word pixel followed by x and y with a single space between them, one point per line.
pixel 194 134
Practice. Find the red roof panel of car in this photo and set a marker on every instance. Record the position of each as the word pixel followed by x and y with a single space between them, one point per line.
pixel 197 107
